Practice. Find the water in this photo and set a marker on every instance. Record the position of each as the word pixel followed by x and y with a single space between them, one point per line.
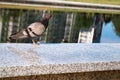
pixel 68 27
pixel 108 34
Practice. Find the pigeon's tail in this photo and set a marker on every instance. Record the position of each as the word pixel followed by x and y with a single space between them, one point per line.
pixel 18 35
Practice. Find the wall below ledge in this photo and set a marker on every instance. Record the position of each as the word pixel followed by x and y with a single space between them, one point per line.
pixel 98 75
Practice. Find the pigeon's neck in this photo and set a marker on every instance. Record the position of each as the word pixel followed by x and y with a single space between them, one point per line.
pixel 44 22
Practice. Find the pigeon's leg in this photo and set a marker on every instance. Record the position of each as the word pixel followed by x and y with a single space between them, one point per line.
pixel 34 42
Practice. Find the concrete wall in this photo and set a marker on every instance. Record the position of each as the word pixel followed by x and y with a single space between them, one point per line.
pixel 99 75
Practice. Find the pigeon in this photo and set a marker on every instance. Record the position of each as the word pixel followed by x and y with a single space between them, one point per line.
pixel 34 30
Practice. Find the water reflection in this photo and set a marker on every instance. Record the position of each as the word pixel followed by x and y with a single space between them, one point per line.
pixel 108 33
pixel 69 27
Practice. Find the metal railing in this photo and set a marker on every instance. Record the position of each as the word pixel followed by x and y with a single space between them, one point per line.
pixel 59 4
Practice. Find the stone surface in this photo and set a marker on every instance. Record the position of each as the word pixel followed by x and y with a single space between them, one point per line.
pixel 26 59
pixel 99 75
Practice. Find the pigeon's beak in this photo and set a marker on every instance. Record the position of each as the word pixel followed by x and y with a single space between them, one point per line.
pixel 9 39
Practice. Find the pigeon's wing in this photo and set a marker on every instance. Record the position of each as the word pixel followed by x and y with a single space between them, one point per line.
pixel 36 29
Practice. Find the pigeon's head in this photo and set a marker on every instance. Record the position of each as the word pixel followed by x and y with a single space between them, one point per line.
pixel 47 16
pixel 10 39
pixel 13 37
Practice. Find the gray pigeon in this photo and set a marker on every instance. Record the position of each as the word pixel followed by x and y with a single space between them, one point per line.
pixel 33 31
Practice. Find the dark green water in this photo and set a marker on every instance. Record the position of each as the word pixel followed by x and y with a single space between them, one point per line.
pixel 63 26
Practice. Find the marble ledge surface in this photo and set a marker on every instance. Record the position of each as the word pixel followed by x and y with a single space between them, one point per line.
pixel 26 59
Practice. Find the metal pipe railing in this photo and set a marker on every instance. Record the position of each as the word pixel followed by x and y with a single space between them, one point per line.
pixel 62 4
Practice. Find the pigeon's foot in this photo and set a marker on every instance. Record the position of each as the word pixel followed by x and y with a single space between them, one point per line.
pixel 35 44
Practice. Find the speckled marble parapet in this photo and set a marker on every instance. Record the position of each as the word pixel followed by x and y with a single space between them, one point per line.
pixel 26 59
